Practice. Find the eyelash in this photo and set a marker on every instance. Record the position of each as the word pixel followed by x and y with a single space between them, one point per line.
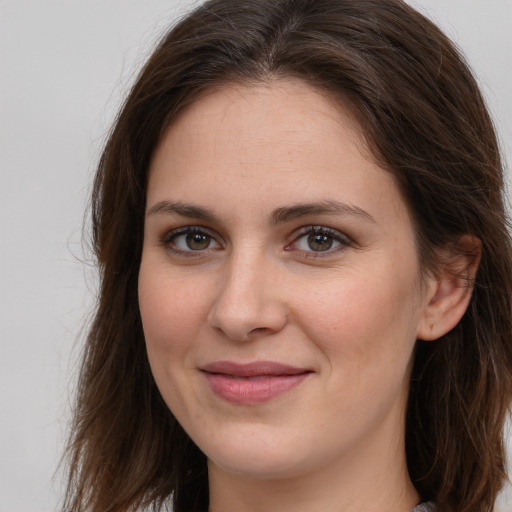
pixel 169 240
pixel 333 235
pixel 336 236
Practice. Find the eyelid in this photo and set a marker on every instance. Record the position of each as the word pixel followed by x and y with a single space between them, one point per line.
pixel 168 237
pixel 344 240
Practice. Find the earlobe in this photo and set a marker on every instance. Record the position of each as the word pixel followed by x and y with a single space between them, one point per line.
pixel 449 290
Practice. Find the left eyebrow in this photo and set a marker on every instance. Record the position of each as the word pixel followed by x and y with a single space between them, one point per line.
pixel 184 210
pixel 289 213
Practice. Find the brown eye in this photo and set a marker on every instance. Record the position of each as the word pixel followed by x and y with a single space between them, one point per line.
pixel 190 239
pixel 197 241
pixel 320 242
pixel 320 239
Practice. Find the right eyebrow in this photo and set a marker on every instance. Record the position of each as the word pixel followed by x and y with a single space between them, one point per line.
pixel 184 210
pixel 290 213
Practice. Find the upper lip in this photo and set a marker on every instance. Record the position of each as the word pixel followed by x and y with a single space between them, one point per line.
pixel 252 369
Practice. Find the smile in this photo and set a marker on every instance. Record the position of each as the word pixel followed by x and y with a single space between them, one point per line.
pixel 252 383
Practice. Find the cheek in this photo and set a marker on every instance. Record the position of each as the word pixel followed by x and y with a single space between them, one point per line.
pixel 364 321
pixel 171 311
pixel 366 334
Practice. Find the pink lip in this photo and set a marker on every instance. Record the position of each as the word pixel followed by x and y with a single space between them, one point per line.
pixel 252 383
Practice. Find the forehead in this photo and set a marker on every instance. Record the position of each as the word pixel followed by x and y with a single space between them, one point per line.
pixel 289 91
pixel 280 142
pixel 264 122
pixel 290 108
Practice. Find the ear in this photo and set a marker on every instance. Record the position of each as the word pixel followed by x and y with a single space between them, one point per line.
pixel 449 289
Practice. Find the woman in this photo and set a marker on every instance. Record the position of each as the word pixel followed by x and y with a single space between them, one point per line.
pixel 305 272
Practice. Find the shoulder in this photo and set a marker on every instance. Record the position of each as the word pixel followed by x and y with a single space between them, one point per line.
pixel 424 507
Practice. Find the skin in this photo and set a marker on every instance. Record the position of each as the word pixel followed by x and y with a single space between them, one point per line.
pixel 255 289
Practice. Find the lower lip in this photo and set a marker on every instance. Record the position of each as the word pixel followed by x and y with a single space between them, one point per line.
pixel 252 390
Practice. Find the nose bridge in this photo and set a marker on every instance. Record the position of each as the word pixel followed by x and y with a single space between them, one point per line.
pixel 246 301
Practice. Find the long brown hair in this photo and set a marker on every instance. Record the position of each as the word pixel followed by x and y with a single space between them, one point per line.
pixel 425 121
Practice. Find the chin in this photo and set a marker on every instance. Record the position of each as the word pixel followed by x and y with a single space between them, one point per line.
pixel 262 467
pixel 254 454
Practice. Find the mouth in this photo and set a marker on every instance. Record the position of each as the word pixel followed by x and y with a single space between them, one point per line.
pixel 252 383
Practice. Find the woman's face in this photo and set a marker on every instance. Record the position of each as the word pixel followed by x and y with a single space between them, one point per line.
pixel 279 286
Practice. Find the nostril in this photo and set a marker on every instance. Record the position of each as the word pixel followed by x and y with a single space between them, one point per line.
pixel 259 330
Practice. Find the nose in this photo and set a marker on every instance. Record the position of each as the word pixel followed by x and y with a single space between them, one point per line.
pixel 248 302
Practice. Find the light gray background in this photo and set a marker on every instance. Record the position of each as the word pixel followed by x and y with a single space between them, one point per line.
pixel 64 65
